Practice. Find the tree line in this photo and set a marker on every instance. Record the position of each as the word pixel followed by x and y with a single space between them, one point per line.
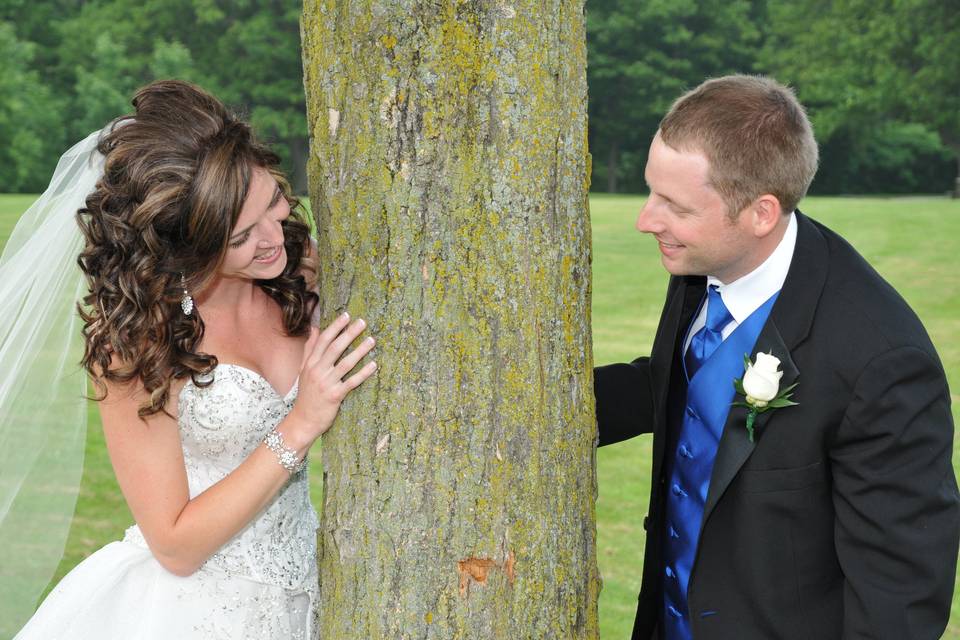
pixel 880 78
pixel 71 65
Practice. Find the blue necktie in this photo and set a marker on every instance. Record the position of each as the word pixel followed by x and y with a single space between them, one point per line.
pixel 698 433
pixel 708 338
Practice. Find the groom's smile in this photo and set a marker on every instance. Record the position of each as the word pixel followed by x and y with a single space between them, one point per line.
pixel 667 248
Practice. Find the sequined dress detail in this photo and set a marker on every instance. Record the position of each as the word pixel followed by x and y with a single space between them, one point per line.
pixel 262 584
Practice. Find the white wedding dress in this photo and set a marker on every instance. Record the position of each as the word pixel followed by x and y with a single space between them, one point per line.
pixel 261 585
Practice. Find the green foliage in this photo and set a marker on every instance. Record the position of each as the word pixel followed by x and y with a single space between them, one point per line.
pixel 869 72
pixel 645 53
pixel 171 60
pixel 94 55
pixel 832 54
pixel 102 87
pixel 932 72
pixel 877 78
pixel 30 128
pixel 892 157
pixel 266 76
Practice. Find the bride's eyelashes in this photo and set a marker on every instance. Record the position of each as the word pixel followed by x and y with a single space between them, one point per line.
pixel 236 244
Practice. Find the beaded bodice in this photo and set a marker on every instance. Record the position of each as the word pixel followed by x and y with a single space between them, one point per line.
pixel 220 426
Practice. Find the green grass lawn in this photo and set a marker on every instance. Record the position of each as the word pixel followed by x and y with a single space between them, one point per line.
pixel 913 242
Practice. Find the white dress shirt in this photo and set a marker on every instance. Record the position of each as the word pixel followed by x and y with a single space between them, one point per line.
pixel 744 295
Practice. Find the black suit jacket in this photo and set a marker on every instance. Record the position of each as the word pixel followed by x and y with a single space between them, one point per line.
pixel 841 520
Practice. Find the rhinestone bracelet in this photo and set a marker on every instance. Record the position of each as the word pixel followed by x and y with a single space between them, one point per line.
pixel 286 456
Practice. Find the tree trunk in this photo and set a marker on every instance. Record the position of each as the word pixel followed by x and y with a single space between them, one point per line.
pixel 448 176
pixel 956 181
pixel 951 140
pixel 613 165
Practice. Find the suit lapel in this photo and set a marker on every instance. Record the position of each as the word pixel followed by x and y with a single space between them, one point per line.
pixel 788 325
pixel 683 300
pixel 735 445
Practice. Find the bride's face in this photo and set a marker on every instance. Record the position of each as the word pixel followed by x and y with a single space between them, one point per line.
pixel 255 247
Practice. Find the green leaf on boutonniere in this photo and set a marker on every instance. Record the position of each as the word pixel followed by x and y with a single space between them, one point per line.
pixel 776 403
pixel 754 406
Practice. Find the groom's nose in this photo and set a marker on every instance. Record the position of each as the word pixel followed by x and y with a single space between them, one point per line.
pixel 647 220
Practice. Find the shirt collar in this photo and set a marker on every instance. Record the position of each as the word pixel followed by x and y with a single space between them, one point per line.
pixel 744 295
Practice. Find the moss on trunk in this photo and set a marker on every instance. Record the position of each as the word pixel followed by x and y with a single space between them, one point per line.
pixel 448 176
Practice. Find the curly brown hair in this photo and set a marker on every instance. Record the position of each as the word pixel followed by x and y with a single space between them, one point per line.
pixel 176 174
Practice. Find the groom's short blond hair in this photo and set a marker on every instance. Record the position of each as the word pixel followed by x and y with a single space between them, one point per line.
pixel 755 135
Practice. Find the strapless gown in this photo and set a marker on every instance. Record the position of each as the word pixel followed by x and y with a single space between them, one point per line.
pixel 261 585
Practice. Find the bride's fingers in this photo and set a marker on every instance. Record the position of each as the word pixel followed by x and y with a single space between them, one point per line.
pixel 340 344
pixel 356 379
pixel 326 337
pixel 308 347
pixel 350 360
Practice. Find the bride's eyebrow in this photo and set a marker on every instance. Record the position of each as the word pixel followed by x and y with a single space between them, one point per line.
pixel 243 231
pixel 276 198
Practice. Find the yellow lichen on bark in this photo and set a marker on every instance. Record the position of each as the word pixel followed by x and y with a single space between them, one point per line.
pixel 448 175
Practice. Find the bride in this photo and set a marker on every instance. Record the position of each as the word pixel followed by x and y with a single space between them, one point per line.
pixel 212 382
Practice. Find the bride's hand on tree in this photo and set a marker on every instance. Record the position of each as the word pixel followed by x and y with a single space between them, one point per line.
pixel 324 380
pixel 183 532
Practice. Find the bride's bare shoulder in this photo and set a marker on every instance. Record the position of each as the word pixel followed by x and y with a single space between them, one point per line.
pixel 122 395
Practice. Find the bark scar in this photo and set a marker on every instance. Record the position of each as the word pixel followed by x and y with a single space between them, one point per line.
pixel 476 570
pixel 508 566
pixel 333 117
pixel 383 442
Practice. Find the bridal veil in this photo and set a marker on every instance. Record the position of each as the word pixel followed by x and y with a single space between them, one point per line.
pixel 43 406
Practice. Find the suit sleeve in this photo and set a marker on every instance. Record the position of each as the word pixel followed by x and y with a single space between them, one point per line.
pixel 624 400
pixel 896 500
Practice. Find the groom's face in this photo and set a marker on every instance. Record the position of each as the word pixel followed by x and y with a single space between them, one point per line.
pixel 689 219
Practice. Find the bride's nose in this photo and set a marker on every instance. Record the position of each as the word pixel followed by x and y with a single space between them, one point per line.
pixel 274 235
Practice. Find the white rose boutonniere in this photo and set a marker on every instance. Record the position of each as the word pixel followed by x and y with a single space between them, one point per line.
pixel 760 387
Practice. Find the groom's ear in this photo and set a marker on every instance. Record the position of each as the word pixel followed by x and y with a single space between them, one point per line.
pixel 765 214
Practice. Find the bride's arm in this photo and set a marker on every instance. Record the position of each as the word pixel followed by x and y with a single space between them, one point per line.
pixel 148 461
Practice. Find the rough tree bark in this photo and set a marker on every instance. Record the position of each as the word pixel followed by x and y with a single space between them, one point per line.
pixel 448 176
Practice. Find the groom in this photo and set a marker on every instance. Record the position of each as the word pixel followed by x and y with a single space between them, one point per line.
pixel 836 517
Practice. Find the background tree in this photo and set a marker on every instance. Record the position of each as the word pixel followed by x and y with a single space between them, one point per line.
pixel 926 85
pixel 878 79
pixel 28 116
pixel 92 56
pixel 645 53
pixel 881 77
pixel 266 37
pixel 448 180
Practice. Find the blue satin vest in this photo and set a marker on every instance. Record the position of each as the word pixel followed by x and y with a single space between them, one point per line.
pixel 709 395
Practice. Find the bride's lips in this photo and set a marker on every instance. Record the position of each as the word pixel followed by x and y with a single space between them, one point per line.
pixel 270 256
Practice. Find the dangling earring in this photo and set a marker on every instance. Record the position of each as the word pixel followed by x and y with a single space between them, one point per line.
pixel 186 302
